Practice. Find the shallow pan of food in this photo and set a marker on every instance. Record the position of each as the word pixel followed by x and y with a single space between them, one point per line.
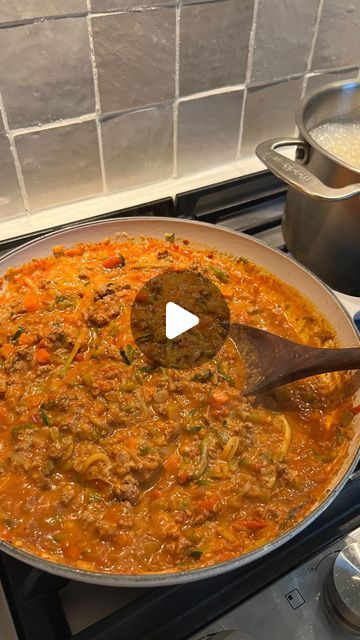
pixel 118 472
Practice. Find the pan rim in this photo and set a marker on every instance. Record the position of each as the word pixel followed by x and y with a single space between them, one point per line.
pixel 168 578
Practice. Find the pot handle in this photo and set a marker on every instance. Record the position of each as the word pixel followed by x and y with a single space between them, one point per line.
pixel 297 175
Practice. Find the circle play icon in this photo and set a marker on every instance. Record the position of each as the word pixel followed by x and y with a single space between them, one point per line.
pixel 179 319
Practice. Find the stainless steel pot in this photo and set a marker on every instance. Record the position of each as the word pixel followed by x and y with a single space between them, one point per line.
pixel 236 244
pixel 321 224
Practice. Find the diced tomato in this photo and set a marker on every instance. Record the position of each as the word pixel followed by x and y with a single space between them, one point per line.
pixel 5 350
pixel 356 410
pixel 171 464
pixel 182 476
pixel 209 502
pixel 112 262
pixel 71 550
pixel 31 302
pixel 252 524
pixel 42 356
pixel 155 494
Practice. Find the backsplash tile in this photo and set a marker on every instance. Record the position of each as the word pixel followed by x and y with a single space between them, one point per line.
pixel 104 95
pixel 270 112
pixel 11 10
pixel 60 164
pixel 214 41
pixel 111 5
pixel 283 37
pixel 11 202
pixel 45 71
pixel 338 39
pixel 135 57
pixel 208 131
pixel 138 147
pixel 322 79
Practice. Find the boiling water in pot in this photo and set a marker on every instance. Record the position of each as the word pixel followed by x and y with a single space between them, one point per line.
pixel 341 139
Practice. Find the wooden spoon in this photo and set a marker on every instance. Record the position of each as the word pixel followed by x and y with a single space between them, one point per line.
pixel 271 361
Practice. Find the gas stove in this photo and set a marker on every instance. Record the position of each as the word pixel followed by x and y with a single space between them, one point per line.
pixel 306 590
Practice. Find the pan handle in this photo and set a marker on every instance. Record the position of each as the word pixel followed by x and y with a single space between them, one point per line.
pixel 298 176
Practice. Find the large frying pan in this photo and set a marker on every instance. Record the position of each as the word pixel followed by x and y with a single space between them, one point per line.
pixel 277 263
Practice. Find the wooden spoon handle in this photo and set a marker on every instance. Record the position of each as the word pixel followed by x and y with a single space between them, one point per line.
pixel 310 361
pixel 302 362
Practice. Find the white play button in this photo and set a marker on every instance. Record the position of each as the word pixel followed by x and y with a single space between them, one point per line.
pixel 178 320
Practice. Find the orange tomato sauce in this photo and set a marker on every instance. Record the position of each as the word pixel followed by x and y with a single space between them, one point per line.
pixel 110 464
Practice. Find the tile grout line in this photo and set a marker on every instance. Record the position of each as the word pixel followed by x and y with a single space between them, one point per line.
pixel 97 97
pixel 249 67
pixel 320 72
pixel 56 124
pixel 312 48
pixel 211 92
pixel 177 90
pixel 15 156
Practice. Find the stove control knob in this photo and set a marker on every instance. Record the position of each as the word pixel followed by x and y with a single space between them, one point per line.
pixel 342 589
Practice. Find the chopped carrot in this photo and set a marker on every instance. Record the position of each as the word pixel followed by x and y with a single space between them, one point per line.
pixel 58 249
pixel 26 339
pixel 5 350
pixel 171 464
pixel 31 302
pixel 74 251
pixel 252 524
pixel 131 443
pixel 42 356
pixel 112 262
pixel 218 398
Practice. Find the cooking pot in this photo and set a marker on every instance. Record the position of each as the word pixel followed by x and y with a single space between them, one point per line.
pixel 234 243
pixel 321 224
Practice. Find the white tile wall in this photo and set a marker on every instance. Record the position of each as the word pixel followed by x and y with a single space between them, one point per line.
pixel 104 95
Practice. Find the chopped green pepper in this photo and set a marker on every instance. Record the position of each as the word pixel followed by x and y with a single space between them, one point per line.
pixel 19 428
pixel 44 416
pixel 220 274
pixel 203 376
pixel 17 334
pixel 128 354
pixel 346 418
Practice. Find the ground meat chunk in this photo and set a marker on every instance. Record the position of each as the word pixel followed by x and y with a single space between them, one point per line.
pixel 62 449
pixel 289 475
pixel 104 290
pixel 103 310
pixel 128 490
pixel 20 360
pixel 67 495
